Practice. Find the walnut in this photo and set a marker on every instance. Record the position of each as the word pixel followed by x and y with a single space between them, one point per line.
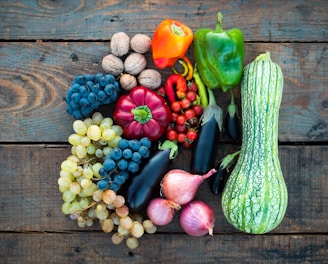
pixel 128 81
pixel 120 44
pixel 150 78
pixel 135 63
pixel 140 43
pixel 112 64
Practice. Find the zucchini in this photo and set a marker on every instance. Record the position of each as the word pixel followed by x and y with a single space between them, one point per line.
pixel 254 199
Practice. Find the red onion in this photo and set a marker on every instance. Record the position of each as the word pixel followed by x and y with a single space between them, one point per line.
pixel 197 219
pixel 180 186
pixel 161 211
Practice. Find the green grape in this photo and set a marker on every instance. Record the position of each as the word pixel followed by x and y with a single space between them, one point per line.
pixel 68 196
pixel 132 242
pixel 108 134
pixel 81 221
pixel 89 191
pixel 89 221
pixel 88 173
pixel 94 132
pixel 80 127
pixel 84 203
pixel 97 195
pixel 73 158
pixel 126 222
pixel 66 208
pixel 75 139
pixel 114 142
pixel 85 141
pixel 102 142
pixel 91 149
pixel 92 213
pixel 86 183
pixel 96 167
pixel 75 206
pixel 73 150
pixel 108 121
pixel 63 189
pixel 115 218
pixel 118 130
pixel 88 122
pixel 99 153
pixel 117 238
pixel 137 229
pixel 64 181
pixel 81 151
pixel 65 174
pixel 122 231
pixel 102 215
pixel 75 188
pixel 107 150
pixel 107 225
pixel 68 165
pixel 97 118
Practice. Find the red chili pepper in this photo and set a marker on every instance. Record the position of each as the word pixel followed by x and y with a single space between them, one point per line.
pixel 180 84
pixel 142 113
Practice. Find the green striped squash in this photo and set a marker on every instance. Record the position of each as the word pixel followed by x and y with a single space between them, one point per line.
pixel 254 199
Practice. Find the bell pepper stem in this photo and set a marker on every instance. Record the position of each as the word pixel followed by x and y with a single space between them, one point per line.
pixel 142 114
pixel 219 23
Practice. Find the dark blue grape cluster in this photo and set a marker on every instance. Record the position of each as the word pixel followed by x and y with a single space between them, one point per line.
pixel 123 160
pixel 89 91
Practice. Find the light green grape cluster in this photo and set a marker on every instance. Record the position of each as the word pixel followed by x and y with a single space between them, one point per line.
pixel 93 139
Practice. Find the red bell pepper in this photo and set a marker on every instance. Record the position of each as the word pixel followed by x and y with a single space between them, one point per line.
pixel 142 113
pixel 170 42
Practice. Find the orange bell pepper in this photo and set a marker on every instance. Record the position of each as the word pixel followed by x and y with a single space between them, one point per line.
pixel 170 42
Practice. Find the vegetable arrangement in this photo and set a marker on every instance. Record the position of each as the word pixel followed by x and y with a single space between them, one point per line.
pixel 119 171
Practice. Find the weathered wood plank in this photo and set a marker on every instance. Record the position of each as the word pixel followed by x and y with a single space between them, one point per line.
pixel 94 20
pixel 34 78
pixel 165 248
pixel 30 200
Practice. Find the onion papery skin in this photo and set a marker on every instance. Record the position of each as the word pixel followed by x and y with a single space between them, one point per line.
pixel 197 219
pixel 161 211
pixel 181 186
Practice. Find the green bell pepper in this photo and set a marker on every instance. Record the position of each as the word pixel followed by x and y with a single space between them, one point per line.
pixel 219 55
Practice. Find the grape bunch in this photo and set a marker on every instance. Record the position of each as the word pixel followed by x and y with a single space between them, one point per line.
pixel 88 92
pixel 93 140
pixel 123 160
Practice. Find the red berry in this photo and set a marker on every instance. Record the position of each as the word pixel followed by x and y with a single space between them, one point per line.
pixel 185 103
pixel 198 110
pixel 171 134
pixel 181 119
pixel 176 107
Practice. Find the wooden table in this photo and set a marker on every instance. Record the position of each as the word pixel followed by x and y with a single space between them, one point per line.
pixel 44 44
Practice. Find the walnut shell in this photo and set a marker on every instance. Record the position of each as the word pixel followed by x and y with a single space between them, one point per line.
pixel 140 43
pixel 112 64
pixel 150 78
pixel 128 81
pixel 135 63
pixel 120 44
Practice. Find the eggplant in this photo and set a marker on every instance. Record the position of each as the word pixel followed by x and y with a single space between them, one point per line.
pixel 144 184
pixel 205 149
pixel 232 120
pixel 219 179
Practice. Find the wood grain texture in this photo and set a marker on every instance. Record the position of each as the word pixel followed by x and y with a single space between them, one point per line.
pixel 34 78
pixel 95 247
pixel 94 20
pixel 31 201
